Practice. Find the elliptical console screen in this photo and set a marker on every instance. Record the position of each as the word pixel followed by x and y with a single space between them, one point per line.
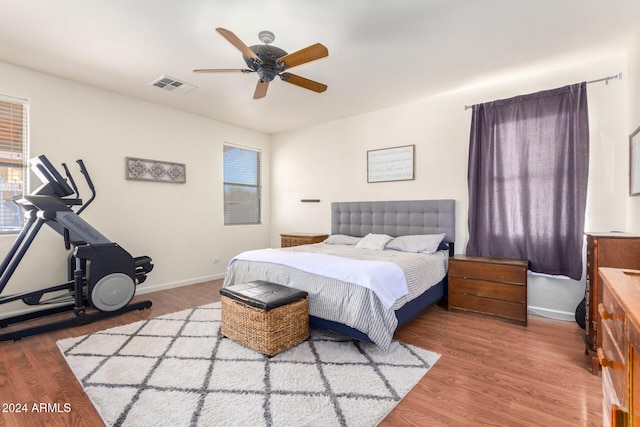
pixel 47 173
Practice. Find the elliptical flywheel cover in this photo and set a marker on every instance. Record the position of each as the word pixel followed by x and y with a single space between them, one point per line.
pixel 112 292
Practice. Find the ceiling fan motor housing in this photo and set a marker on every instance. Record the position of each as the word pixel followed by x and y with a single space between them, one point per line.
pixel 270 67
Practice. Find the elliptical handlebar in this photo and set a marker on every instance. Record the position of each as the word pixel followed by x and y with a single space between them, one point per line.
pixel 77 200
pixel 71 180
pixel 84 171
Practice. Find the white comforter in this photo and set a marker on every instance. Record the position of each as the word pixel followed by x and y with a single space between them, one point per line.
pixel 384 278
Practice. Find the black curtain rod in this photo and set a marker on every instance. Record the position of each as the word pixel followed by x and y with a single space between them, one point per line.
pixel 604 79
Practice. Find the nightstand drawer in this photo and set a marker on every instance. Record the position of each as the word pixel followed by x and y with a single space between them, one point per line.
pixel 483 288
pixel 489 271
pixel 296 241
pixel 491 306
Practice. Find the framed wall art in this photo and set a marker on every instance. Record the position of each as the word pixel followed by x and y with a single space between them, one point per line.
pixel 390 164
pixel 155 170
pixel 634 163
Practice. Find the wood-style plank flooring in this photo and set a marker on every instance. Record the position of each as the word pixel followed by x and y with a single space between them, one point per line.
pixel 491 372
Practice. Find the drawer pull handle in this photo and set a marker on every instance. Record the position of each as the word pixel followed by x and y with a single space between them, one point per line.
pixel 605 315
pixel 606 363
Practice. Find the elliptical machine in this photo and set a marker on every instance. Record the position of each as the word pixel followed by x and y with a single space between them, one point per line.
pixel 102 275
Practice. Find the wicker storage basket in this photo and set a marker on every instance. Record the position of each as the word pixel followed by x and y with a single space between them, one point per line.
pixel 267 332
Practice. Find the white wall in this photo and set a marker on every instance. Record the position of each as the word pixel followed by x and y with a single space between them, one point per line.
pixel 328 161
pixel 179 225
pixel 633 211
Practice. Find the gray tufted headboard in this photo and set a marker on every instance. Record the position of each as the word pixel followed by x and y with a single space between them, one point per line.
pixel 395 218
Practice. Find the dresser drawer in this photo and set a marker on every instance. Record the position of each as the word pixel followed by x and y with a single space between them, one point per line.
pixel 483 288
pixel 488 271
pixel 635 386
pixel 611 314
pixel 614 350
pixel 613 359
pixel 613 415
pixel 619 338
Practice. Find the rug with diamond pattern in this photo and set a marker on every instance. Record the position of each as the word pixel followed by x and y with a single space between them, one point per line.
pixel 177 370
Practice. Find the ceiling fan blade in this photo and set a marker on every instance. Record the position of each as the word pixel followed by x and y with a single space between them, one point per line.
pixel 239 44
pixel 261 89
pixel 305 55
pixel 302 82
pixel 223 70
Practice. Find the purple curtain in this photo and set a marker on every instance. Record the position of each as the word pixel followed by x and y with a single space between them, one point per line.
pixel 528 168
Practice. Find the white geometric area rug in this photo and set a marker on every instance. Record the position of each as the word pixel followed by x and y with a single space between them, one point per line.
pixel 177 370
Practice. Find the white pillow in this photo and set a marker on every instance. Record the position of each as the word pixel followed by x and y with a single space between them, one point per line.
pixel 342 239
pixel 419 243
pixel 374 241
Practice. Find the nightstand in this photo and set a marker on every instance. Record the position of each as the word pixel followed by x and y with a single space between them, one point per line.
pixel 493 286
pixel 296 239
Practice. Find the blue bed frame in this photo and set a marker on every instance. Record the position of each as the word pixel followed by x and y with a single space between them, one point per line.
pixel 395 218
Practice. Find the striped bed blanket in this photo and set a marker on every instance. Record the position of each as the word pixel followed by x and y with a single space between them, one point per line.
pixel 385 279
pixel 343 301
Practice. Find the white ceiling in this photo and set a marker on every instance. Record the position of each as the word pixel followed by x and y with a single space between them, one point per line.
pixel 381 53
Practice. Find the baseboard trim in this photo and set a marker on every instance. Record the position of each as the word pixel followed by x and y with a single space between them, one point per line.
pixel 140 290
pixel 553 314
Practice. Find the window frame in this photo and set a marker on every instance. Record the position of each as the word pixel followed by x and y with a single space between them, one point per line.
pixel 229 217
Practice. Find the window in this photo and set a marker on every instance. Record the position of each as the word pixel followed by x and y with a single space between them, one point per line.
pixel 242 191
pixel 13 159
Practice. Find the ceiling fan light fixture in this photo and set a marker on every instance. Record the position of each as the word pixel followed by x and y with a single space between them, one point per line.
pixel 266 37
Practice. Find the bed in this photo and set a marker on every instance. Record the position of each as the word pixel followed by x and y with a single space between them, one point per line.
pixel 360 311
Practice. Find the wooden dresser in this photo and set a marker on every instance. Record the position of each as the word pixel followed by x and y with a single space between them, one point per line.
pixel 491 286
pixel 296 239
pixel 618 250
pixel 620 346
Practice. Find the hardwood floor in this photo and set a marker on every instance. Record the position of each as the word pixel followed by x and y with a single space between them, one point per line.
pixel 490 373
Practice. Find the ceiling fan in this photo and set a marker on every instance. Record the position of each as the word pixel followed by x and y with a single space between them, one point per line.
pixel 271 61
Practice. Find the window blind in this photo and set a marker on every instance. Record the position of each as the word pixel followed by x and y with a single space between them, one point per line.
pixel 242 187
pixel 13 156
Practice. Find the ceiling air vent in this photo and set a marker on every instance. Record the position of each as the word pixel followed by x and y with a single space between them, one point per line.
pixel 172 85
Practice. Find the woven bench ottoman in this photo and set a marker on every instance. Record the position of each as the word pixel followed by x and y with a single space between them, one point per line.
pixel 264 316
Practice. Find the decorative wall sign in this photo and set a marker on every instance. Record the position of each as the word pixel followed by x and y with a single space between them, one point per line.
pixel 390 164
pixel 634 163
pixel 155 170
